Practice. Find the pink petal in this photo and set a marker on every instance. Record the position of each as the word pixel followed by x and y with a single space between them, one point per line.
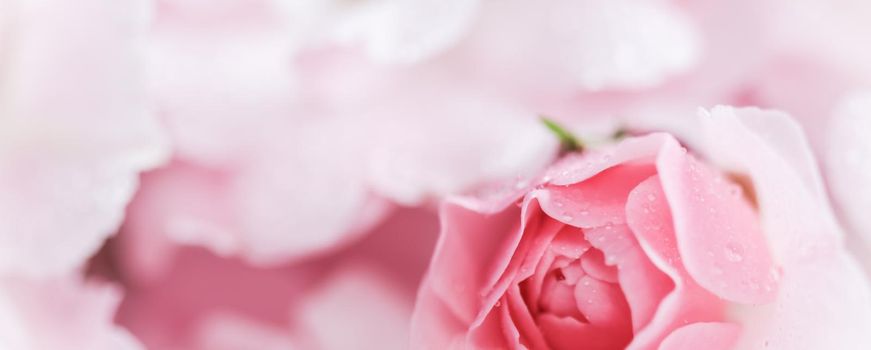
pixel 769 147
pixel 563 332
pixel 520 317
pixel 566 333
pixel 472 250
pixel 718 233
pixel 226 331
pixel 819 278
pixel 643 284
pixel 707 335
pixel 576 168
pixel 596 201
pixel 178 205
pixel 569 242
pixel 651 221
pixel 823 303
pixel 604 306
pixel 433 324
pixel 594 264
pixel 359 309
pixel 558 298
pixel 170 310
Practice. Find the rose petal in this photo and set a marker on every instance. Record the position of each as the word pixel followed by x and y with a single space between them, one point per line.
pixel 796 217
pixel 566 333
pixel 596 201
pixel 471 248
pixel 225 331
pixel 593 263
pixel 707 335
pixel 604 305
pixel 718 233
pixel 819 277
pixel 643 284
pixel 652 224
pixel 362 306
pixel 833 290
pixel 522 320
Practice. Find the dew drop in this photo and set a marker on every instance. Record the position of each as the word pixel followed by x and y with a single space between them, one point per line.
pixel 754 286
pixel 651 197
pixel 498 303
pixel 734 252
pixel 775 274
pixel 585 213
pixel 568 217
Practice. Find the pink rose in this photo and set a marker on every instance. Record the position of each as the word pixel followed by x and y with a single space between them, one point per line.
pixel 642 245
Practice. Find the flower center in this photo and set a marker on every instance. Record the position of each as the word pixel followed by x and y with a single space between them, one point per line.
pixel 576 294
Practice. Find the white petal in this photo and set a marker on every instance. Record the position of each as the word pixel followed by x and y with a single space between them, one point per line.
pixel 60 314
pixel 74 129
pixel 848 161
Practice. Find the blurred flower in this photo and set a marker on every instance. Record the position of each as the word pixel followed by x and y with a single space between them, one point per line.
pixel 362 294
pixel 849 165
pixel 280 157
pixel 63 313
pixel 75 129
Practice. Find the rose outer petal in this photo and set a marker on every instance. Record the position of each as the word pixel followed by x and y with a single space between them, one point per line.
pixel 653 227
pixel 824 299
pixel 596 201
pixel 718 233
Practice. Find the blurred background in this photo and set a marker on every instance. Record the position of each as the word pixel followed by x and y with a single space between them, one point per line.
pixel 265 174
